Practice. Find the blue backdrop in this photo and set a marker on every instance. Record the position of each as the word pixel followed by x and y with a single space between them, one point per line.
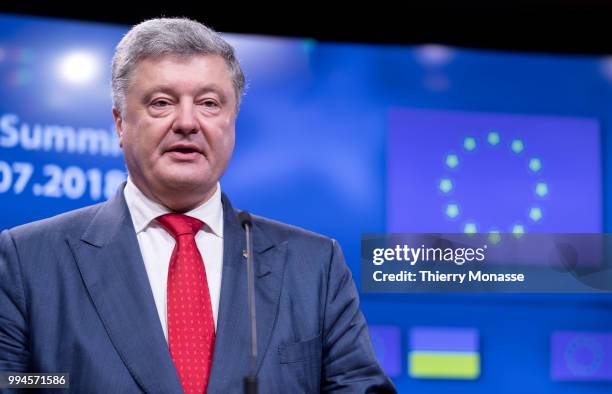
pixel 347 139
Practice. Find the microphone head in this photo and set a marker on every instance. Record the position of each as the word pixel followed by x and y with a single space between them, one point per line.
pixel 245 219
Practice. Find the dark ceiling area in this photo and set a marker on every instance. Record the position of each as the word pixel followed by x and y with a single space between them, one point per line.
pixel 582 27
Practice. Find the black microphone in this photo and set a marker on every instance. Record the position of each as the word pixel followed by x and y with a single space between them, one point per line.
pixel 250 381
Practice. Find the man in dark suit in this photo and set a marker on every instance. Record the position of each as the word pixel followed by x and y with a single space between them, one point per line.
pixel 147 291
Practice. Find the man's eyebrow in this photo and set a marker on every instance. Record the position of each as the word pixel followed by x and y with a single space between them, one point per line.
pixel 169 90
pixel 213 88
pixel 158 89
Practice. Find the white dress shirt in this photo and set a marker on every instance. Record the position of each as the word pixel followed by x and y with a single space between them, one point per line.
pixel 156 245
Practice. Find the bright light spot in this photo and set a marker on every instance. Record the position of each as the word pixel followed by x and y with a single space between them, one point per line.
pixel 446 185
pixel 493 138
pixel 535 164
pixel 494 236
pixel 517 146
pixel 452 161
pixel 452 210
pixel 518 230
pixel 470 228
pixel 535 214
pixel 541 189
pixel 434 55
pixel 469 143
pixel 78 67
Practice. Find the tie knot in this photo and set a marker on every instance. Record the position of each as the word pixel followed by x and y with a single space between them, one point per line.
pixel 178 224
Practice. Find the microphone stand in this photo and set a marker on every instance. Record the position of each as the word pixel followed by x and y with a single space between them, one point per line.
pixel 250 381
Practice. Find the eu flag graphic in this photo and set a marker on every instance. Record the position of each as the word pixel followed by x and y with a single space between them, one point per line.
pixel 492 173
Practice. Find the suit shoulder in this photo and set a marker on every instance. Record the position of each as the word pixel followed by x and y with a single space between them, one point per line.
pixel 71 222
pixel 281 232
pixel 286 230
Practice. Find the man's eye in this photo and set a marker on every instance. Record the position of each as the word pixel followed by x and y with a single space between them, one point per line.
pixel 160 103
pixel 210 104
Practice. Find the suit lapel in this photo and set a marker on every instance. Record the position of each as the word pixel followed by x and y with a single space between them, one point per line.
pixel 232 341
pixel 111 265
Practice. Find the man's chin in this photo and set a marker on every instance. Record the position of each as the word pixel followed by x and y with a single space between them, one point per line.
pixel 187 183
pixel 182 195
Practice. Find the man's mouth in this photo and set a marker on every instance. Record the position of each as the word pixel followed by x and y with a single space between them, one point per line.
pixel 184 152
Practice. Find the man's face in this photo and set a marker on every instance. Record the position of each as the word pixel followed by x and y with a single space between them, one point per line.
pixel 178 128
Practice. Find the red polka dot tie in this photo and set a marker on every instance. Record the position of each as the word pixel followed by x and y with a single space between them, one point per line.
pixel 191 329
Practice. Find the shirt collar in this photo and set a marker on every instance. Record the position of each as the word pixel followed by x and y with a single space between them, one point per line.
pixel 144 210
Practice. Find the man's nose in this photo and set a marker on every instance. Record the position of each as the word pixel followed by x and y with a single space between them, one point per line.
pixel 185 121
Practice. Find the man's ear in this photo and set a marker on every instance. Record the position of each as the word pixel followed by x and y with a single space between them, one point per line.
pixel 118 125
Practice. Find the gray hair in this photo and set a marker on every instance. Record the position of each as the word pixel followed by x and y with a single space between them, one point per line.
pixel 169 36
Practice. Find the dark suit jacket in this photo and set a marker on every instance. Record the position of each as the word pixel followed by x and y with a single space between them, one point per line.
pixel 75 297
